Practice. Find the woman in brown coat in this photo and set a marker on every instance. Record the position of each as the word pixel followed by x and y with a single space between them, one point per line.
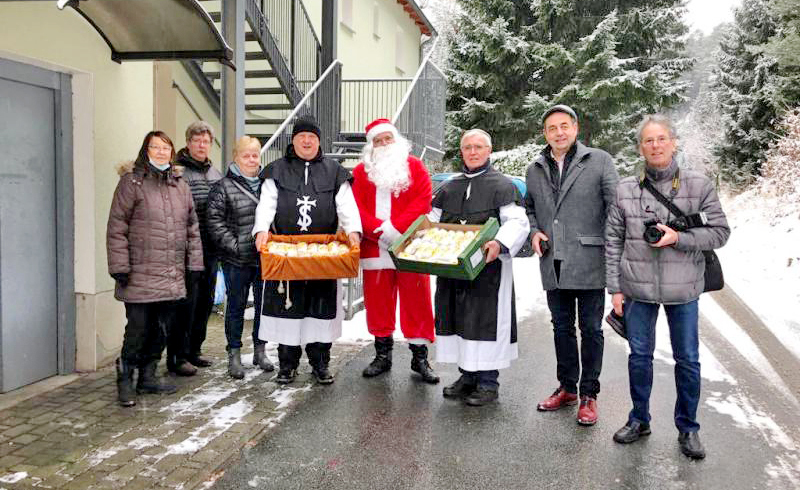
pixel 154 249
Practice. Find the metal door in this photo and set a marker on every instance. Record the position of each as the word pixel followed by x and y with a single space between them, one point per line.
pixel 28 238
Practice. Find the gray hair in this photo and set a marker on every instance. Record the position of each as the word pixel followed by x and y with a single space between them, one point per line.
pixel 660 119
pixel 473 132
pixel 199 127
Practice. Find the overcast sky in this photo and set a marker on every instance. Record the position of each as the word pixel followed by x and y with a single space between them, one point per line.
pixel 707 14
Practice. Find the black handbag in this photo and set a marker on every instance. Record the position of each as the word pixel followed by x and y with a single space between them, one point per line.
pixel 714 280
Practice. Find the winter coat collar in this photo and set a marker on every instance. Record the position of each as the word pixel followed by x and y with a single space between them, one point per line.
pixel 183 158
pixel 142 171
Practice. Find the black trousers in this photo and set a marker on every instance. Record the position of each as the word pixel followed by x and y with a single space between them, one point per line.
pixel 146 331
pixel 319 354
pixel 186 339
pixel 590 303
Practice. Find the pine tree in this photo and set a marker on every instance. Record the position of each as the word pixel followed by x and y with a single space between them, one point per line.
pixel 746 83
pixel 612 61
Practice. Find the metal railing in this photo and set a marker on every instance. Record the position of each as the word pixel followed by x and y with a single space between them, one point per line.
pixel 363 101
pixel 420 116
pixel 322 102
pixel 297 42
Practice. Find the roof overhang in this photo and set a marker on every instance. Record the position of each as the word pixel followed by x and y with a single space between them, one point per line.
pixel 416 14
pixel 154 29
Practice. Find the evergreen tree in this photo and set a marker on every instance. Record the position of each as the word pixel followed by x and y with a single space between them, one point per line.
pixel 612 61
pixel 746 83
pixel 785 45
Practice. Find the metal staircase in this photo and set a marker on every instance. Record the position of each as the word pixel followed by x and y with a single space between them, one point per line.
pixel 282 60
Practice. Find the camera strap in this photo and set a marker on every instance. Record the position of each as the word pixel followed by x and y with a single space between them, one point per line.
pixel 661 198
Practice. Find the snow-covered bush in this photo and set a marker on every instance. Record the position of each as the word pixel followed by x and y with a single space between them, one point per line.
pixel 780 174
pixel 516 160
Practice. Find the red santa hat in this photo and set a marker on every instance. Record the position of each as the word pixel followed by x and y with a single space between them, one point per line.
pixel 379 126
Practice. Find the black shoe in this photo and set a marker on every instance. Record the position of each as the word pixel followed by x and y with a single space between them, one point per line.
pixel 199 361
pixel 383 357
pixel 480 397
pixel 420 364
pixel 285 375
pixel 461 388
pixel 182 368
pixel 631 432
pixel 691 445
pixel 322 375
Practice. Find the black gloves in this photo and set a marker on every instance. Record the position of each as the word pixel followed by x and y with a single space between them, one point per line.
pixel 121 277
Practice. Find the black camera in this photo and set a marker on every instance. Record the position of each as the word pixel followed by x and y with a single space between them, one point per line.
pixel 651 233
pixel 682 223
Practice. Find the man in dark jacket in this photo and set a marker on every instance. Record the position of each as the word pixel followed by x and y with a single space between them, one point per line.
pixel 570 188
pixel 186 339
pixel 666 267
pixel 231 214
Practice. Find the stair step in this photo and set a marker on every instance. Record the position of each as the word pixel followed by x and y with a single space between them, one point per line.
pixel 262 91
pixel 263 121
pixel 214 75
pixel 348 144
pixel 216 16
pixel 343 156
pixel 266 107
pixel 254 55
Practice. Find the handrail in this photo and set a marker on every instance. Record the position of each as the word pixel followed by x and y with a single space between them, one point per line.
pixel 300 105
pixel 407 96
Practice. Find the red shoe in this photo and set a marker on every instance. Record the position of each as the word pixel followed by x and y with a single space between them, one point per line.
pixel 560 398
pixel 587 413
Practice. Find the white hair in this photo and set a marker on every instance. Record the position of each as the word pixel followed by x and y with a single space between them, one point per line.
pixel 660 119
pixel 476 131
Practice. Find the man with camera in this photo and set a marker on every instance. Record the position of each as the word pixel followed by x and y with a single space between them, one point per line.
pixel 654 256
pixel 570 187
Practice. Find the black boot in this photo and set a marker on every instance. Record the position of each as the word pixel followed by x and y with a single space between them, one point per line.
pixel 419 363
pixel 125 392
pixel 691 445
pixel 288 360
pixel 383 357
pixel 319 356
pixel 149 382
pixel 260 358
pixel 235 368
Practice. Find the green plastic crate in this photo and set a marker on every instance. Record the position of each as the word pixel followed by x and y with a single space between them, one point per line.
pixel 470 262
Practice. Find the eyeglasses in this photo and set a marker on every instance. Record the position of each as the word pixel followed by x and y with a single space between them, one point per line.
pixel 661 140
pixel 159 148
pixel 200 142
pixel 473 147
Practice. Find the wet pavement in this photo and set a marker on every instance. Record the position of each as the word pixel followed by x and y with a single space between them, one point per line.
pixel 397 432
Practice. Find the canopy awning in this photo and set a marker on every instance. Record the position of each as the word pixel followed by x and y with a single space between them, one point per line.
pixel 154 29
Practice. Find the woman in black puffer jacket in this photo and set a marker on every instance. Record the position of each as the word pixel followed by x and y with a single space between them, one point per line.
pixel 231 214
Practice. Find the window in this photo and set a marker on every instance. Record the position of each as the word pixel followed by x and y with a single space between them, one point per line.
pixel 347 14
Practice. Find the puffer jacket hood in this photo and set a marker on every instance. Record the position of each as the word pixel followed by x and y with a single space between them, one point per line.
pixel 667 275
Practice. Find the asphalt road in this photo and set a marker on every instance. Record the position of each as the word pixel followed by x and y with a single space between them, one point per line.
pixel 395 432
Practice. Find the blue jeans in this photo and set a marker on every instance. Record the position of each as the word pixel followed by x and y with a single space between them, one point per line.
pixel 237 284
pixel 640 321
pixel 590 303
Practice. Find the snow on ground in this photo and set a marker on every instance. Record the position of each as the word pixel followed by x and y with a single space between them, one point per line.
pixel 761 262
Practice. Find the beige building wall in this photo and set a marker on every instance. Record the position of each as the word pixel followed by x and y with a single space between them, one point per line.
pixel 114 106
pixel 376 38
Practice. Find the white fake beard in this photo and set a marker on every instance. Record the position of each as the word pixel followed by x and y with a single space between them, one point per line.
pixel 388 168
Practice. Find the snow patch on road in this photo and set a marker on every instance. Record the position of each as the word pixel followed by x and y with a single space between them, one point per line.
pixel 746 416
pixel 222 419
pixel 14 477
pixel 530 298
pixel 284 398
pixel 734 334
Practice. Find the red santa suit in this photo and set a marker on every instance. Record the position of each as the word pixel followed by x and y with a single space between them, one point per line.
pixel 391 215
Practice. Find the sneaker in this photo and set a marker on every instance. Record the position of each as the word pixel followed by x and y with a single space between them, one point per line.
pixel 559 399
pixel 587 413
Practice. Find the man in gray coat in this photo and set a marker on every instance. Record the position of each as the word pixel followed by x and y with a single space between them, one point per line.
pixel 662 266
pixel 570 187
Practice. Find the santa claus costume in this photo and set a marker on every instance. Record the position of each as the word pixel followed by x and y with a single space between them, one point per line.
pixel 392 189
